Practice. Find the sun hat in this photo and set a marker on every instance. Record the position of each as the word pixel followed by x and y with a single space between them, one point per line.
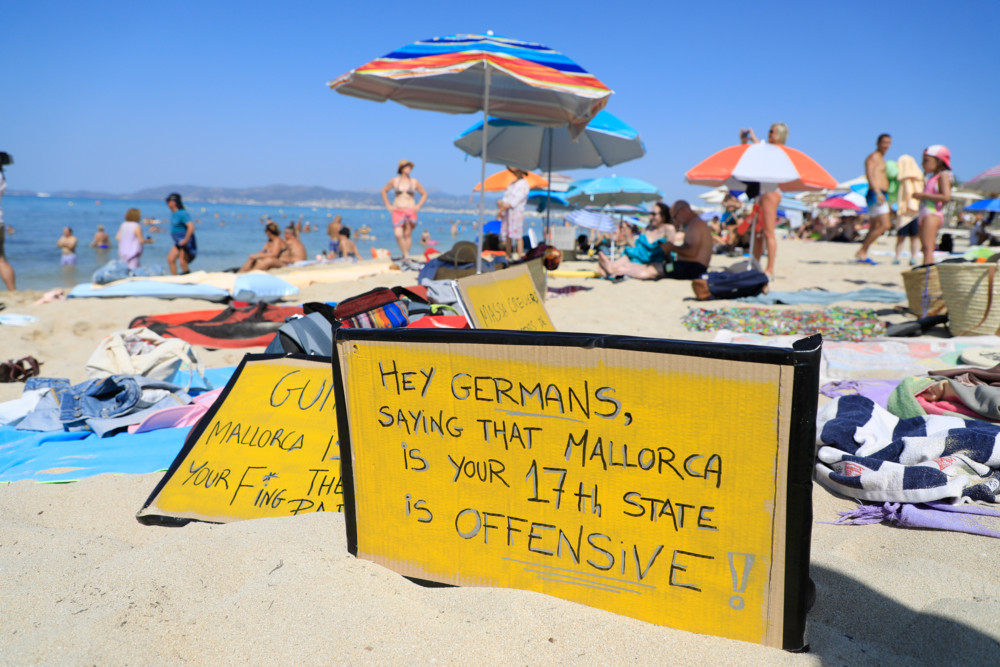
pixel 941 152
pixel 403 163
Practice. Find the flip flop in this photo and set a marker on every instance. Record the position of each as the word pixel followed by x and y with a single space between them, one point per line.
pixel 867 260
pixel 6 371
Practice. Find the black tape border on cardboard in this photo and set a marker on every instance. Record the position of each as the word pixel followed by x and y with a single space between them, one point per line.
pixel 804 356
pixel 195 434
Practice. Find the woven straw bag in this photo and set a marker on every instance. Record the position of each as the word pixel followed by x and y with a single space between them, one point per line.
pixel 971 294
pixel 923 291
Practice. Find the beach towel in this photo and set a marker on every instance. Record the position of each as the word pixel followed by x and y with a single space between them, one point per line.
pixel 834 323
pixel 250 326
pixel 866 452
pixel 821 296
pixel 933 515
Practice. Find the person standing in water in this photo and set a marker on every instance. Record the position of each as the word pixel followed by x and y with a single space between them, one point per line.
pixel 6 270
pixel 185 247
pixel 404 207
pixel 67 243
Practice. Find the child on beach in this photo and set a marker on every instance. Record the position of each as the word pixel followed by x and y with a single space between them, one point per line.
pixel 185 247
pixel 937 193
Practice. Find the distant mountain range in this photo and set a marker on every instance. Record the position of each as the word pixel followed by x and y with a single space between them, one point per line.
pixel 269 195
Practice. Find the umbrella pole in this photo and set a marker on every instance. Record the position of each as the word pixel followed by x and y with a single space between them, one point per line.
pixel 548 193
pixel 482 174
pixel 753 231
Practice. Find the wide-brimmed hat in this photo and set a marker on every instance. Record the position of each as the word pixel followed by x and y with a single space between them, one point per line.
pixel 403 163
pixel 941 152
pixel 463 252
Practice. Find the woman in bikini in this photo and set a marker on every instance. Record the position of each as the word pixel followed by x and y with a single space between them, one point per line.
pixel 270 255
pixel 404 207
pixel 937 193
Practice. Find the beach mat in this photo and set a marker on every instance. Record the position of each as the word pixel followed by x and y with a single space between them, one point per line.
pixel 149 288
pixel 249 326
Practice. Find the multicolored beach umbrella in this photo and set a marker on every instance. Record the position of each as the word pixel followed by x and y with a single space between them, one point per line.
pixel 466 73
pixel 505 78
pixel 737 166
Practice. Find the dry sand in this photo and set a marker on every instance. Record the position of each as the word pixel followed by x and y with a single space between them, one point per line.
pixel 84 582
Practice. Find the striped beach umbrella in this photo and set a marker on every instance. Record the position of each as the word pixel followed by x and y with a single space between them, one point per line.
pixel 505 78
pixel 988 181
pixel 737 166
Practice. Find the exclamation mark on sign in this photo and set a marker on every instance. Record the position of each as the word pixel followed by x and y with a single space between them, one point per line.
pixel 740 576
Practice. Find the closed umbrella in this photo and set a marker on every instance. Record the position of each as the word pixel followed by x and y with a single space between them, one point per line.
pixel 507 78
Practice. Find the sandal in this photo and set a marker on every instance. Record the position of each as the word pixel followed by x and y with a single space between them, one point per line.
pixel 24 368
pixel 7 371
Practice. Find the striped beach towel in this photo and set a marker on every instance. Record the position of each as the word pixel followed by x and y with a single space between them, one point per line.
pixel 868 453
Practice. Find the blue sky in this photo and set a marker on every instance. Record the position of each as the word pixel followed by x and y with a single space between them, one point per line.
pixel 121 96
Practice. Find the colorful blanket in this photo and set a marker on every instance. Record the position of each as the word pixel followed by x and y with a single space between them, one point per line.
pixel 833 323
pixel 868 453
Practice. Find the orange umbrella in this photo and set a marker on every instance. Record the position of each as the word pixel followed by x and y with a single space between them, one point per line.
pixel 499 181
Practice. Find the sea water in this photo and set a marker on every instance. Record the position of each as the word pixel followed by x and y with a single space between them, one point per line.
pixel 227 234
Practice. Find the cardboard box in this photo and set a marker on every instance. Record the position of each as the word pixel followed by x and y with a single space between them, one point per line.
pixel 668 481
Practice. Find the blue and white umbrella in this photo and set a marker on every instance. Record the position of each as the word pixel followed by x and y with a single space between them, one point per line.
pixel 606 140
pixel 613 191
pixel 593 220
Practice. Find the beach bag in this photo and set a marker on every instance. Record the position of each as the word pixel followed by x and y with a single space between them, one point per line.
pixel 143 352
pixel 380 308
pixel 311 334
pixel 923 291
pixel 970 294
pixel 729 284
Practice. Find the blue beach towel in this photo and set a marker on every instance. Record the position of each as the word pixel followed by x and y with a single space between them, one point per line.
pixel 61 456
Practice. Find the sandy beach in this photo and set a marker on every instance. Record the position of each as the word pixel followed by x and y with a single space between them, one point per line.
pixel 84 582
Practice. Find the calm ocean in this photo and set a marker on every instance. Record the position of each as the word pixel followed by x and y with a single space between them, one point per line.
pixel 226 234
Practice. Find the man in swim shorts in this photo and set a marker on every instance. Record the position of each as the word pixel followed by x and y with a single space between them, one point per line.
pixel 67 243
pixel 878 196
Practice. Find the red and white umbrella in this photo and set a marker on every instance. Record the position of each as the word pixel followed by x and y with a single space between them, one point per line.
pixel 847 201
pixel 737 166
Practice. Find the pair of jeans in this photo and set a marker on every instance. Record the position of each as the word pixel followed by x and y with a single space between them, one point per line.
pixel 101 405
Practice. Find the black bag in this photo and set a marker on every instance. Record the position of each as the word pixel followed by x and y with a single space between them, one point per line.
pixel 729 285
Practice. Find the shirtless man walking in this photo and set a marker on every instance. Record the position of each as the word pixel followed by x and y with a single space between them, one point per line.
pixel 878 193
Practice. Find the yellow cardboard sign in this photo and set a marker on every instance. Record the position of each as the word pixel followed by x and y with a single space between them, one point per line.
pixel 267 448
pixel 505 299
pixel 650 485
